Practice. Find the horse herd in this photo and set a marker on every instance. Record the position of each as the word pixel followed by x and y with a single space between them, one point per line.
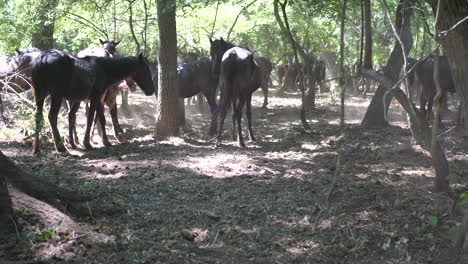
pixel 96 76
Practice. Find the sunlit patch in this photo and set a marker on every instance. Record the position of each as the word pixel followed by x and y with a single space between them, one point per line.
pixel 310 146
pixel 362 175
pixel 420 172
pixel 365 215
pixel 298 247
pixel 296 222
pixel 222 165
pixel 325 224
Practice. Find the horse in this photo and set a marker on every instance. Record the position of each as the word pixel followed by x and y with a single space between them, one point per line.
pixel 15 73
pixel 424 74
pixel 239 77
pixel 77 79
pixel 265 67
pixel 195 77
pixel 110 97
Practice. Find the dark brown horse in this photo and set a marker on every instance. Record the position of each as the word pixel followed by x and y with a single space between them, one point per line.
pixel 64 76
pixel 239 77
pixel 15 73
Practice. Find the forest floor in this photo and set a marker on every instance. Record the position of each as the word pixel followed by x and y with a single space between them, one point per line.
pixel 276 201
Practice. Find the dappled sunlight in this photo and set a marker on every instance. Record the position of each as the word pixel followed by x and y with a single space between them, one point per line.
pixel 221 165
pixel 296 247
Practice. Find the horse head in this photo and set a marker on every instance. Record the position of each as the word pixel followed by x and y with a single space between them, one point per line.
pixel 143 76
pixel 109 45
pixel 217 49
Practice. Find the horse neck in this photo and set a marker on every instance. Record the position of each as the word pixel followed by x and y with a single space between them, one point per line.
pixel 118 68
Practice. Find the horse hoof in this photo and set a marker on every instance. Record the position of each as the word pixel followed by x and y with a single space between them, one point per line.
pixel 107 144
pixel 87 145
pixel 242 144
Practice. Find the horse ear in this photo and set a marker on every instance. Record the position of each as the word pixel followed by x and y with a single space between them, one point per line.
pixel 18 52
pixel 141 58
pixel 117 43
pixel 102 42
pixel 222 39
pixel 211 41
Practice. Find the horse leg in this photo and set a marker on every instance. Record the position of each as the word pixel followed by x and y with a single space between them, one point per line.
pixel 72 124
pixel 234 118
pixel 221 115
pixel 102 121
pixel 249 117
pixel 89 122
pixel 265 94
pixel 212 102
pixel 239 120
pixel 38 119
pixel 115 122
pixel 55 105
pixel 429 108
pixel 422 106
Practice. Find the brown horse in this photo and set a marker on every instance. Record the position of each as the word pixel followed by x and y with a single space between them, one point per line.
pixel 15 73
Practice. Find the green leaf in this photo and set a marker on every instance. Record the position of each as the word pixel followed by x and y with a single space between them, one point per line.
pixel 87 186
pixel 114 198
pixel 46 234
pixel 433 221
pixel 464 196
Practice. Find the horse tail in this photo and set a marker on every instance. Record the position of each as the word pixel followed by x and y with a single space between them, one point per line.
pixel 250 71
pixel 39 86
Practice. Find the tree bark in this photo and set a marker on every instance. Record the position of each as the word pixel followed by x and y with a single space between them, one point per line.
pixel 342 81
pixel 375 114
pixel 368 35
pixel 455 47
pixel 43 33
pixel 6 212
pixel 166 114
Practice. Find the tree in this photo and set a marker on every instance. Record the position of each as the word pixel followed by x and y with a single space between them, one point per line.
pixel 375 115
pixel 166 113
pixel 454 44
pixel 43 33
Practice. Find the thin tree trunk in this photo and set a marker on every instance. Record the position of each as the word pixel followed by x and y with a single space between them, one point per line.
pixel 296 48
pixel 342 80
pixel 368 34
pixel 237 17
pixel 166 114
pixel 439 161
pixel 130 23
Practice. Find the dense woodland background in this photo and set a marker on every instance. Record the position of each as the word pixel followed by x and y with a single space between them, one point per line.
pixel 333 179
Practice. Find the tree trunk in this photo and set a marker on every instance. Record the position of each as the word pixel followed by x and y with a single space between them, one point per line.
pixel 368 34
pixel 6 212
pixel 43 32
pixel 455 47
pixel 166 114
pixel 375 115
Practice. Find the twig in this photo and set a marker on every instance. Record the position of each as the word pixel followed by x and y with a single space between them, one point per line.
pixel 16 227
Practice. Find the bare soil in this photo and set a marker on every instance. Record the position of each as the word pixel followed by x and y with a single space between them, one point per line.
pixel 188 202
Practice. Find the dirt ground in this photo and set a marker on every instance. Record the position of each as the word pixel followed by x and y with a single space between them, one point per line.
pixel 274 202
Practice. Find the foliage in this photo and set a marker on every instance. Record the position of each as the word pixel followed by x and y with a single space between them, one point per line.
pixel 79 24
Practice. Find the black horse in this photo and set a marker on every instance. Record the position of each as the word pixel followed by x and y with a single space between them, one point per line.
pixel 239 77
pixel 110 98
pixel 64 76
pixel 195 77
